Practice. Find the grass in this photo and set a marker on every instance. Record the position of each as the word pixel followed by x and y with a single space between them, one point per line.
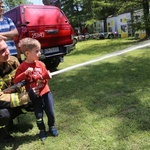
pixel 102 106
pixel 91 49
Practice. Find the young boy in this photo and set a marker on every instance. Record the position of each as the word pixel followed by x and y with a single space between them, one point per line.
pixel 36 76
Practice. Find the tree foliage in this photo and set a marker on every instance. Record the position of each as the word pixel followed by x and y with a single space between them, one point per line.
pixel 12 3
pixel 88 11
pixel 132 5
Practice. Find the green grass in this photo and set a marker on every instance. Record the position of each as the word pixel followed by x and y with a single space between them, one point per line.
pixel 102 106
pixel 90 49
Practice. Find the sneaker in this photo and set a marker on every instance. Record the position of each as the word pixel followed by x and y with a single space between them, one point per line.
pixel 42 135
pixel 53 131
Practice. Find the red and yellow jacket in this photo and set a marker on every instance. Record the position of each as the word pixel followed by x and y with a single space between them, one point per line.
pixel 7 72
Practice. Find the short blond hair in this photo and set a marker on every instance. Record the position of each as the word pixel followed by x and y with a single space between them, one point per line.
pixel 27 44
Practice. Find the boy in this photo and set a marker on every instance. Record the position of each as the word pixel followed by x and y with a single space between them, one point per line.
pixel 35 74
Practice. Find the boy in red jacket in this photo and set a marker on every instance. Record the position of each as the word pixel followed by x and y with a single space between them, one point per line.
pixel 35 74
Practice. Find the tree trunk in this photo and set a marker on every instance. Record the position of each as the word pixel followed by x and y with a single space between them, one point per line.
pixel 146 17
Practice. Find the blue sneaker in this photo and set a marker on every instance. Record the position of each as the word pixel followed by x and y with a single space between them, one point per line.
pixel 53 131
pixel 42 135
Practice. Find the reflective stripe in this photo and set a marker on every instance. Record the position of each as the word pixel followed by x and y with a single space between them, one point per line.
pixel 2 83
pixel 15 100
pixel 7 78
pixel 13 73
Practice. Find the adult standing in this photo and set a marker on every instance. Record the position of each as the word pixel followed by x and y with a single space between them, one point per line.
pixel 8 30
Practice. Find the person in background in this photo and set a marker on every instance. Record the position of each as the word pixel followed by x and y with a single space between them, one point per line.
pixel 12 98
pixel 35 74
pixel 8 30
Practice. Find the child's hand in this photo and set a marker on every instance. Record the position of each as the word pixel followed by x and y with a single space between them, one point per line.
pixel 29 71
pixel 36 91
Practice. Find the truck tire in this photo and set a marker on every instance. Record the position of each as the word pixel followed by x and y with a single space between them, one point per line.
pixel 52 63
pixel 75 41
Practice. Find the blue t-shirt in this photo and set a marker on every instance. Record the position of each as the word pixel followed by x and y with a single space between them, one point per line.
pixel 7 25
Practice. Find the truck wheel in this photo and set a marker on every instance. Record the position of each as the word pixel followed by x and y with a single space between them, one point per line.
pixel 52 63
pixel 75 41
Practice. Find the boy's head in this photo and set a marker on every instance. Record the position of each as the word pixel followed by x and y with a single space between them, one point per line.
pixel 28 44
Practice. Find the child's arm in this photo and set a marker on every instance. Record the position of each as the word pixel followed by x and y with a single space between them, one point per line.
pixel 22 75
pixel 19 76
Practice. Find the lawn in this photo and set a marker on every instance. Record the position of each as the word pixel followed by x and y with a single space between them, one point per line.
pixel 102 106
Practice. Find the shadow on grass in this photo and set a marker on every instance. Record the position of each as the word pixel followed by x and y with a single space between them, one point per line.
pixel 117 90
pixel 22 125
pixel 20 140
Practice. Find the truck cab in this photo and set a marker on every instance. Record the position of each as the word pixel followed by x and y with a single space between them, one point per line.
pixel 47 24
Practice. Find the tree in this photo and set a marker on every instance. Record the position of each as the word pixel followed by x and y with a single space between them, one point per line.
pixel 52 2
pixel 86 12
pixel 131 6
pixel 146 16
pixel 101 9
pixel 12 3
pixel 104 8
pixel 74 12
